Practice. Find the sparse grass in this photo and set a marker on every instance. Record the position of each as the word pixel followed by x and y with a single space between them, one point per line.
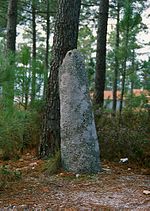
pixel 53 164
pixel 7 176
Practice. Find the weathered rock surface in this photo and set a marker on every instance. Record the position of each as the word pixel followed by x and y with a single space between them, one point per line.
pixel 79 143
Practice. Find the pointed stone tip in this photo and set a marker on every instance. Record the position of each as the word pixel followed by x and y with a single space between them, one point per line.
pixel 74 55
pixel 74 52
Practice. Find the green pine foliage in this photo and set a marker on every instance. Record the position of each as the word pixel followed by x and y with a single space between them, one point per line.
pixel 133 102
pixel 19 123
pixel 18 130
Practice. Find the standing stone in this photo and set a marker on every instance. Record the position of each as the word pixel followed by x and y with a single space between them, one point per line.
pixel 79 143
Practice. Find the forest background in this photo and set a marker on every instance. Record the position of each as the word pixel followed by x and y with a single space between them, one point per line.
pixel 25 64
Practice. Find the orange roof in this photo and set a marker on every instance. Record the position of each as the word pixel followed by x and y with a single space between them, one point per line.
pixel 138 92
pixel 108 95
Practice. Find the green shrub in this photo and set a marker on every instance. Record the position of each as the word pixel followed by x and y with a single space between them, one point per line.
pixel 133 101
pixel 127 136
pixel 19 121
pixel 19 129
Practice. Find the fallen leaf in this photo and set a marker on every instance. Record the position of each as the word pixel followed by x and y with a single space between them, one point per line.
pixel 45 190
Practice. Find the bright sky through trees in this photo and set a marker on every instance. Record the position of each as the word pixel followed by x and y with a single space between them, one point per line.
pixel 143 37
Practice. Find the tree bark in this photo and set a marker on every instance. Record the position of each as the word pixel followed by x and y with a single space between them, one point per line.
pixel 126 43
pixel 116 60
pixel 65 39
pixel 101 52
pixel 8 87
pixel 11 26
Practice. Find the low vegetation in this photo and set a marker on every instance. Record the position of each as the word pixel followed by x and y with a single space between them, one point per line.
pixel 125 137
pixel 19 130
pixel 7 176
pixel 52 164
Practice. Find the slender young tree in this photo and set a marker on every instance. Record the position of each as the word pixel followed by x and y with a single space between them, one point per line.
pixel 124 43
pixel 116 59
pixel 33 83
pixel 127 18
pixel 133 69
pixel 101 52
pixel 65 39
pixel 47 45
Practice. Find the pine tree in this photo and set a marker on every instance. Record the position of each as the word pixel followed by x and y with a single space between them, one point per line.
pixel 101 52
pixel 8 87
pixel 65 39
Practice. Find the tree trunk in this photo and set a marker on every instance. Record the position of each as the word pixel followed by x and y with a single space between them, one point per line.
pixel 65 39
pixel 132 87
pixel 101 52
pixel 124 71
pixel 8 88
pixel 126 43
pixel 133 71
pixel 11 26
pixel 27 86
pixel 33 83
pixel 47 48
pixel 123 84
pixel 116 61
